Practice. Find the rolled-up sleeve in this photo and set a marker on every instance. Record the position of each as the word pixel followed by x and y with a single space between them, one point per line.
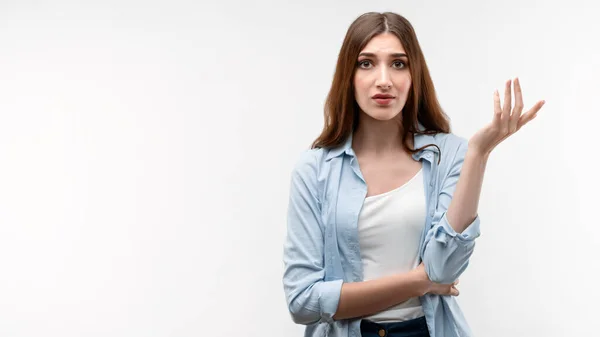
pixel 310 298
pixel 447 252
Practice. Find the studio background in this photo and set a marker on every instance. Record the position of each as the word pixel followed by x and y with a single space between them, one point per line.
pixel 146 149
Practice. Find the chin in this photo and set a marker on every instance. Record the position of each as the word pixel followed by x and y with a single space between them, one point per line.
pixel 383 114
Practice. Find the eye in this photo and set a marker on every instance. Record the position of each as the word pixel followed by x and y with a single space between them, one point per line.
pixel 362 64
pixel 399 64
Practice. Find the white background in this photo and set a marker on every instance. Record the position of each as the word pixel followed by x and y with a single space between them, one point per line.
pixel 146 149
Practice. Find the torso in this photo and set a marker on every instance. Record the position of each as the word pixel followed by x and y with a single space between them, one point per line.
pixel 385 174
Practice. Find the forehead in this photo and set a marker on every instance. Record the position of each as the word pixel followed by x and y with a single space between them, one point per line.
pixel 385 43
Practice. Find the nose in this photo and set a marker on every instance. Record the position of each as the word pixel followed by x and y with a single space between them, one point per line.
pixel 383 79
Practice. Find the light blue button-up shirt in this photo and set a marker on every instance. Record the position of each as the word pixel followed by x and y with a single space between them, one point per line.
pixel 321 249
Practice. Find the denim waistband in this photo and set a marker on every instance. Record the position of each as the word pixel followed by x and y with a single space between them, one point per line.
pixel 415 328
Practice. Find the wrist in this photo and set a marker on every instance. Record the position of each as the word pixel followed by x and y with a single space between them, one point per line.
pixel 422 281
pixel 477 153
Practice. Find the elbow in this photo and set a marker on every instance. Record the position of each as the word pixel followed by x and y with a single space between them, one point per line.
pixel 318 304
pixel 304 316
pixel 445 274
pixel 313 302
pixel 302 304
pixel 444 265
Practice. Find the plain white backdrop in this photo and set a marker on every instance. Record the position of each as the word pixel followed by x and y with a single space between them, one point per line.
pixel 146 150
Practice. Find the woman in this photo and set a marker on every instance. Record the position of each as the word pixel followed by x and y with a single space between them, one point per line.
pixel 382 216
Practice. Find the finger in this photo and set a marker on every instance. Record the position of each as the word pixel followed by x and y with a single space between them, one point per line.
pixel 537 107
pixel 531 114
pixel 524 120
pixel 497 108
pixel 454 292
pixel 507 107
pixel 518 108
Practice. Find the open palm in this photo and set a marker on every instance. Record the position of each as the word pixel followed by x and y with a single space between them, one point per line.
pixel 507 119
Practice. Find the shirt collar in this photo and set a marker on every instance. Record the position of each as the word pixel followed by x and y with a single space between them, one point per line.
pixel 419 141
pixel 346 148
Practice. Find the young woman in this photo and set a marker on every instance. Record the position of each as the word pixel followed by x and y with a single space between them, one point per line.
pixel 382 216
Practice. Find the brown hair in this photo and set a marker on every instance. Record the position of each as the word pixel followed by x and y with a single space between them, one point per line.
pixel 341 108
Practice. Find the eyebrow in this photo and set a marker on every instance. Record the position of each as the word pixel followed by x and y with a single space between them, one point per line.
pixel 392 55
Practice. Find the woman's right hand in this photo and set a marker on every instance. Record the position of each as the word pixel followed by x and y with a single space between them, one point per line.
pixel 444 289
pixel 437 288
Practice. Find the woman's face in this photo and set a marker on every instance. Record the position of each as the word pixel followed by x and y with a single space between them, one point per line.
pixel 382 70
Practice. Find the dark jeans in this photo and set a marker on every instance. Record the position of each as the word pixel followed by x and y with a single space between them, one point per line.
pixel 413 328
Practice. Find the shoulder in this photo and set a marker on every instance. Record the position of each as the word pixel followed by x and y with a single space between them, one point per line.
pixel 309 161
pixel 309 165
pixel 308 172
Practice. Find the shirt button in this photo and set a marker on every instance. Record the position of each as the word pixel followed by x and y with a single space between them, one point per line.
pixel 382 333
pixel 428 155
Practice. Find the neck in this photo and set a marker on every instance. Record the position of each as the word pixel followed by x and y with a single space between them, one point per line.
pixel 378 138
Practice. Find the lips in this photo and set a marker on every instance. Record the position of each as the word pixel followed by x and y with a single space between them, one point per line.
pixel 383 100
pixel 382 96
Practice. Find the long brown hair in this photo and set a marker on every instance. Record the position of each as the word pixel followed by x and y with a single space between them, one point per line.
pixel 341 108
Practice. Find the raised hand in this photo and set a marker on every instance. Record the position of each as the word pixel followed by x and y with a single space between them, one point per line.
pixel 507 120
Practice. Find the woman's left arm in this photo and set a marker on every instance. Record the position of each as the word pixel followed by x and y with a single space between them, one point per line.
pixel 463 207
pixel 462 188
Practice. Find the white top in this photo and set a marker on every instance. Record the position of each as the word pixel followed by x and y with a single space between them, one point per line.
pixel 389 230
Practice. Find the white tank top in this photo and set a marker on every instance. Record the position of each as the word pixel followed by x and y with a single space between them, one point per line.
pixel 389 228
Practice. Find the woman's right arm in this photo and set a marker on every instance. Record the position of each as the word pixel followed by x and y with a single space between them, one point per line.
pixel 369 297
pixel 310 298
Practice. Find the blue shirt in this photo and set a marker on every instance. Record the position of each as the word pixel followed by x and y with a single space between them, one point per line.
pixel 321 248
